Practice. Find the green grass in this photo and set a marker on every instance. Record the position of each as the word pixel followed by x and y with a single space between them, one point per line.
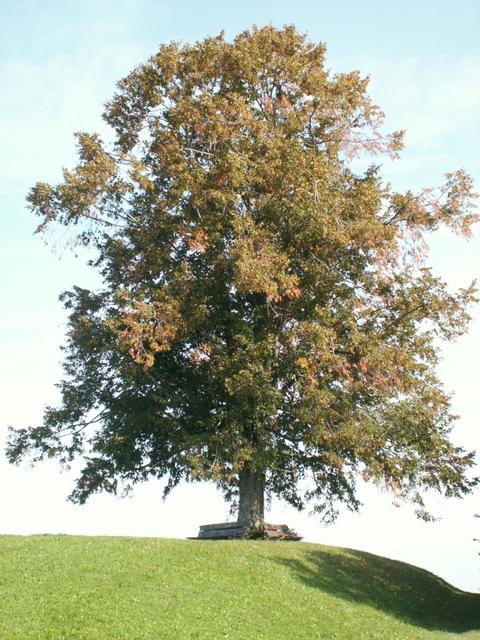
pixel 79 588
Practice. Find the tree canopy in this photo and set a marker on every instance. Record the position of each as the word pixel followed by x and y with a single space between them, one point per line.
pixel 267 314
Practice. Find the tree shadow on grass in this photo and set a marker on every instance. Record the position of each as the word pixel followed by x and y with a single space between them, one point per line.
pixel 410 594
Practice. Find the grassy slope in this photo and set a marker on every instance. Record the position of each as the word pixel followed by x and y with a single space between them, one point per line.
pixel 76 588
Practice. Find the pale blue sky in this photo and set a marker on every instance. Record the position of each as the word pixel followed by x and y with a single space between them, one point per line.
pixel 58 63
pixel 425 27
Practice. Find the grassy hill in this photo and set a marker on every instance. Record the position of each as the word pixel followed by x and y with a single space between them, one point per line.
pixel 79 588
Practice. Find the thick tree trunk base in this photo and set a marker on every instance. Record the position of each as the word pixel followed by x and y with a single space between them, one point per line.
pixel 251 503
pixel 237 531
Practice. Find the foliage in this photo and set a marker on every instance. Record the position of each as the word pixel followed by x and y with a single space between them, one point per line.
pixel 74 588
pixel 264 307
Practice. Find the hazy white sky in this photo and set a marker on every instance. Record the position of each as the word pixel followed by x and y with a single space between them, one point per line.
pixel 58 63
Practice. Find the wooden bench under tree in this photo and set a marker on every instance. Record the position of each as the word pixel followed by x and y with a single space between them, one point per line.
pixel 234 530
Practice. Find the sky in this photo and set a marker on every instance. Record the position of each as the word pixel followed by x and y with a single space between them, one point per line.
pixel 59 63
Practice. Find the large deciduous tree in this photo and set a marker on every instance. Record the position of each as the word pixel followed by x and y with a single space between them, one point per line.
pixel 266 313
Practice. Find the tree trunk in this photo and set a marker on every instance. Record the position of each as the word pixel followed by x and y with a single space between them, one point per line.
pixel 251 506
